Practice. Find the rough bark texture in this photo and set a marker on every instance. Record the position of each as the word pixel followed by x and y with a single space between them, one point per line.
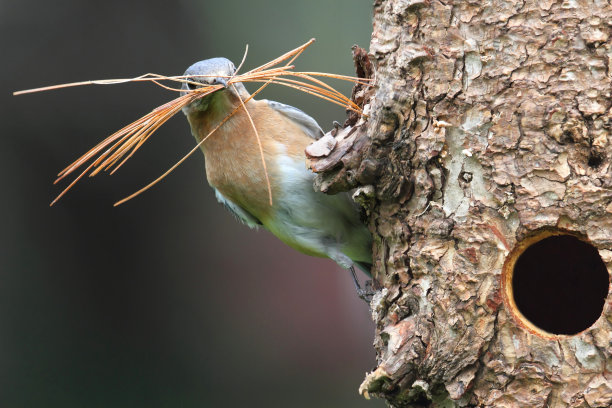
pixel 489 120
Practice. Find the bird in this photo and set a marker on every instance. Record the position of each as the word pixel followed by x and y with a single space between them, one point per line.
pixel 314 223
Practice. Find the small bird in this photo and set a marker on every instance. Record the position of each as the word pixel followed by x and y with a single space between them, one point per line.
pixel 314 223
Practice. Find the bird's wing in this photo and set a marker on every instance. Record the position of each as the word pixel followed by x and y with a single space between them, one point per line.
pixel 308 124
pixel 240 213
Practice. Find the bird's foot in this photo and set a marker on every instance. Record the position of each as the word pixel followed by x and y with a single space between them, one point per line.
pixel 365 294
pixel 368 293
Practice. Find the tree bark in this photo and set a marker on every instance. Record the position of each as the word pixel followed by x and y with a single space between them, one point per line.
pixel 488 125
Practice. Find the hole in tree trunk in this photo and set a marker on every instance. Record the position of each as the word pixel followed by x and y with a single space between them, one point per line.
pixel 595 160
pixel 558 284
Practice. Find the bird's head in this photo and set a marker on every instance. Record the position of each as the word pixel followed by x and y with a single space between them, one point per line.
pixel 213 71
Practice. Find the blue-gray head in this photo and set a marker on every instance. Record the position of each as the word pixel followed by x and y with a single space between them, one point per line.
pixel 213 71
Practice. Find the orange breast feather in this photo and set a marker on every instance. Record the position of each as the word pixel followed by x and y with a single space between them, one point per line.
pixel 233 159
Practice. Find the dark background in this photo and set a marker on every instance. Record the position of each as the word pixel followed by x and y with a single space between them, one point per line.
pixel 165 301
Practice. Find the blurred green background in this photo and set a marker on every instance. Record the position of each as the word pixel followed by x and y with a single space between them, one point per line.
pixel 166 301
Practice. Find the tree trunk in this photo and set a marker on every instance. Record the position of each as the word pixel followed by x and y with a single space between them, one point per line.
pixel 484 167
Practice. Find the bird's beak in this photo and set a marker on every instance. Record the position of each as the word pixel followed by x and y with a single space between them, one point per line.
pixel 221 81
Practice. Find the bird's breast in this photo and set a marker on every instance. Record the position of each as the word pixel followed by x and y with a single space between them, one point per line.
pixel 233 155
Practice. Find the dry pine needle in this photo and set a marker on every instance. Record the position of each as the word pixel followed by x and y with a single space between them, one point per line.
pixel 111 153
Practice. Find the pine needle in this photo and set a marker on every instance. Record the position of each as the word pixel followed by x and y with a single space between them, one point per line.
pixel 261 152
pixel 114 151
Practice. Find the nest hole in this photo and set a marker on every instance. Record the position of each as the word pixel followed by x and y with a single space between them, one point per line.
pixel 558 284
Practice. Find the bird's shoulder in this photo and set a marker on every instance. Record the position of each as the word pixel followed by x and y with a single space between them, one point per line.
pixel 307 123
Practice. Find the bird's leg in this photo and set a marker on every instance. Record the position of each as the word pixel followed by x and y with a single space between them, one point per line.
pixel 365 294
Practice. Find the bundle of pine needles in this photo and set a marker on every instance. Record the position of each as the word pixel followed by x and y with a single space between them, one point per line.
pixel 111 153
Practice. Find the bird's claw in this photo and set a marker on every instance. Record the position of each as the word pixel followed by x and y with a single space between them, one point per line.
pixel 365 294
pixel 368 293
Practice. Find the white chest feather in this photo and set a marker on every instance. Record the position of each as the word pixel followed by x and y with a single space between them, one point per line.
pixel 316 223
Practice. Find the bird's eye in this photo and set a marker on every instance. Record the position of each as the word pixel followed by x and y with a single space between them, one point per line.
pixel 191 85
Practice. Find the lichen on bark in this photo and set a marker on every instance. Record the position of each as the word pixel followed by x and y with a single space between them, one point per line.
pixel 489 121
